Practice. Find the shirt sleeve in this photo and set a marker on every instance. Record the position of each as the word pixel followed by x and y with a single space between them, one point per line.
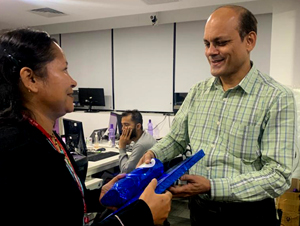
pixel 276 144
pixel 176 141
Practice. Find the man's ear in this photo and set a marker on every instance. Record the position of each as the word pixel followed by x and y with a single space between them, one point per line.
pixel 28 79
pixel 138 126
pixel 250 41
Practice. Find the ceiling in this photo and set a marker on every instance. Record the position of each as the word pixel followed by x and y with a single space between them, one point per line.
pixel 17 13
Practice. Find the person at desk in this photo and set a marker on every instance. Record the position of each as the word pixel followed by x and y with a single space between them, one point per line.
pixel 39 182
pixel 243 120
pixel 132 130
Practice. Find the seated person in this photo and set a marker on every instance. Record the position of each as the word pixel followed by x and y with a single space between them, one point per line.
pixel 132 130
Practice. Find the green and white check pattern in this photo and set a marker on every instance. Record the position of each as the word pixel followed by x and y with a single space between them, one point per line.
pixel 247 134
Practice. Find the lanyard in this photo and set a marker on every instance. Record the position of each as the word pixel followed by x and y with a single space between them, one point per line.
pixel 67 160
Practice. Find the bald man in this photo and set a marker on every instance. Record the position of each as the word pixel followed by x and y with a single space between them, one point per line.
pixel 243 120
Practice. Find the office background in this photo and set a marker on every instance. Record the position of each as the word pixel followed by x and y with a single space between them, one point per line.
pixel 138 67
pixel 142 66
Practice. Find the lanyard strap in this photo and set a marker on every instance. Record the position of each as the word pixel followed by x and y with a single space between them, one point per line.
pixel 67 160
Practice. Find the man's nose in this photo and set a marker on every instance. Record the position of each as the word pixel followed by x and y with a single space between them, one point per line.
pixel 212 50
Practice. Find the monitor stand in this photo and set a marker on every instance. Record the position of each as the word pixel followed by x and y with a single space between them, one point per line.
pixel 90 109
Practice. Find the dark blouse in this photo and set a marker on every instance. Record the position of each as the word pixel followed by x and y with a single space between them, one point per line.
pixel 37 188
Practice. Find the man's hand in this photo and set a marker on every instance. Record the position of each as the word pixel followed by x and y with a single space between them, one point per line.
pixel 159 204
pixel 196 185
pixel 125 137
pixel 146 158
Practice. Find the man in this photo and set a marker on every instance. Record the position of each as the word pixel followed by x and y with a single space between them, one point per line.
pixel 245 123
pixel 132 130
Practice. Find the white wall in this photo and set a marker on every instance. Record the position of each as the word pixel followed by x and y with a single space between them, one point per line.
pixel 89 56
pixel 285 48
pixel 143 68
pixel 165 17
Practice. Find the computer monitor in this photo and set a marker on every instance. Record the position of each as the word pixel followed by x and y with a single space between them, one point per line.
pixel 91 97
pixel 119 124
pixel 113 119
pixel 76 98
pixel 74 136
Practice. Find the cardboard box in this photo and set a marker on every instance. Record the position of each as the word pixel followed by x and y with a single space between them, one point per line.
pixel 290 219
pixel 289 202
pixel 294 185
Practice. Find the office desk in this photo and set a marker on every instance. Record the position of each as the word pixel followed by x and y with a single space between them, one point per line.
pixel 103 164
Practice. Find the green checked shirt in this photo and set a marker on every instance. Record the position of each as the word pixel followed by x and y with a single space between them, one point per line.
pixel 247 134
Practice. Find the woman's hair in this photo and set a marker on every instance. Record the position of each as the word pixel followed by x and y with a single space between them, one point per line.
pixel 21 48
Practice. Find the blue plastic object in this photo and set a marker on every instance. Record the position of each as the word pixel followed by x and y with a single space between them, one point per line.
pixel 167 178
pixel 174 173
pixel 133 184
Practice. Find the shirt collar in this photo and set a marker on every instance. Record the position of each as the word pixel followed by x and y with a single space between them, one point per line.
pixel 246 84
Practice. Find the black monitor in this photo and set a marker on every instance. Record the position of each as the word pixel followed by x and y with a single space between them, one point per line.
pixel 74 136
pixel 91 97
pixel 76 98
pixel 179 98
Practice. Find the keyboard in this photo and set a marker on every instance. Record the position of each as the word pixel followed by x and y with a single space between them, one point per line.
pixel 93 157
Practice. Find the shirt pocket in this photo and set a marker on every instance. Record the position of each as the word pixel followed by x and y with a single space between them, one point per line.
pixel 243 142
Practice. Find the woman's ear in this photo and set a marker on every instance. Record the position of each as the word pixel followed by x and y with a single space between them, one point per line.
pixel 28 79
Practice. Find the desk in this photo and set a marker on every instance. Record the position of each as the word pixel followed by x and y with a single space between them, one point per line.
pixel 103 164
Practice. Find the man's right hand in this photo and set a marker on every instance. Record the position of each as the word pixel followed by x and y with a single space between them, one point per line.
pixel 146 158
pixel 125 137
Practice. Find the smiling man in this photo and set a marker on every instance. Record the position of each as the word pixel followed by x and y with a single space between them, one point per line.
pixel 132 131
pixel 243 120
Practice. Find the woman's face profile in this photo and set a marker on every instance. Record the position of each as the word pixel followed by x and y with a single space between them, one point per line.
pixel 56 91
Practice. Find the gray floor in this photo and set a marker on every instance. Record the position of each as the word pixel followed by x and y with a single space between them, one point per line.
pixel 180 214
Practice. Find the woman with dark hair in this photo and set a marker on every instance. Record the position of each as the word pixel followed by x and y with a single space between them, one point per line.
pixel 39 182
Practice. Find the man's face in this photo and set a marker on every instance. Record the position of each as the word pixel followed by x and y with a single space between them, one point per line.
pixel 227 54
pixel 129 124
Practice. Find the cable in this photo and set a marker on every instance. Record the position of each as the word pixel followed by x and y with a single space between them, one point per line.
pixel 160 122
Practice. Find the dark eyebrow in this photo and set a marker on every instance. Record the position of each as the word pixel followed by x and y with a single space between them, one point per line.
pixel 217 39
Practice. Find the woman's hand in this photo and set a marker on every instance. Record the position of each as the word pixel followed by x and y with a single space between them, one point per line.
pixel 109 185
pixel 159 204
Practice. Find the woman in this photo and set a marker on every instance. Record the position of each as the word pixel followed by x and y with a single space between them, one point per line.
pixel 39 182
